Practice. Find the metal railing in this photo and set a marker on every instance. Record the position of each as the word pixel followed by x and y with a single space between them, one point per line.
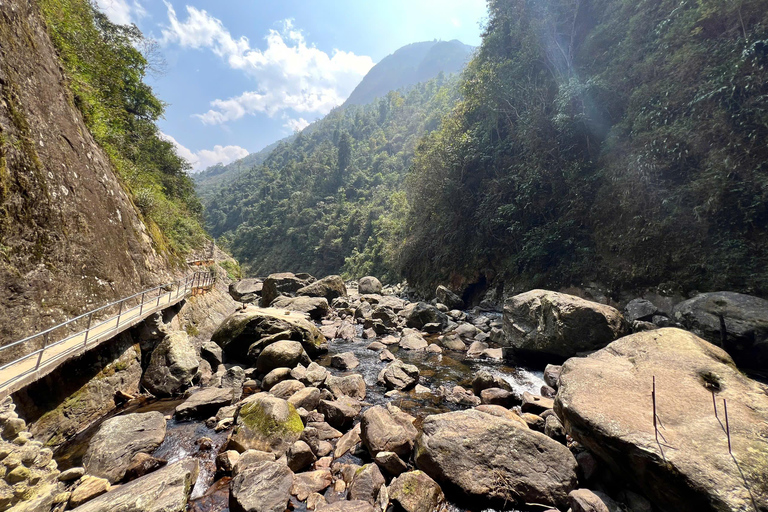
pixel 125 313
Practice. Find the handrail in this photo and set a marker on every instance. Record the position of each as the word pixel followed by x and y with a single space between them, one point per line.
pixel 130 315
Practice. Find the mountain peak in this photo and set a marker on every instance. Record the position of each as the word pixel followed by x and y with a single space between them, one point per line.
pixel 413 63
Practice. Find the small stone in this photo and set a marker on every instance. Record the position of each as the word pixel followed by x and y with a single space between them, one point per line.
pixel 376 346
pixel 89 488
pixel 386 355
pixel 344 361
pixel 204 443
pixel 536 404
pixel 71 474
pixel 18 474
pixel 226 461
pixel 390 463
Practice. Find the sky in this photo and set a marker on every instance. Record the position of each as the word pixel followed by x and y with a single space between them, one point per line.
pixel 238 75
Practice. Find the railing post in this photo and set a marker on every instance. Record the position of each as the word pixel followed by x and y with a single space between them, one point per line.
pixel 88 329
pixel 141 308
pixel 119 313
pixel 40 356
pixel 159 292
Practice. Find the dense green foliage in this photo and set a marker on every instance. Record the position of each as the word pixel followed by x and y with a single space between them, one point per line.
pixel 331 200
pixel 106 72
pixel 610 139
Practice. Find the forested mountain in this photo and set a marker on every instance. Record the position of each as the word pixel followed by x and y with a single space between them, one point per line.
pixel 610 139
pixel 216 177
pixel 410 65
pixel 332 199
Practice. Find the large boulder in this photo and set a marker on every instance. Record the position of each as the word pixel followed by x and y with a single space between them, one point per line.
pixel 368 285
pixel 745 321
pixel 419 314
pixel 550 325
pixel 689 467
pixel 315 307
pixel 447 297
pixel 366 484
pixel 281 354
pixel 164 490
pixel 493 461
pixel 172 366
pixel 284 283
pixel 263 487
pixel 246 327
pixel 266 423
pixel 246 290
pixel 329 287
pixel 388 430
pixel 120 438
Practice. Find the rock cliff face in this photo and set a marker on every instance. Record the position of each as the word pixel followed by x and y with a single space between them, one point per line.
pixel 70 237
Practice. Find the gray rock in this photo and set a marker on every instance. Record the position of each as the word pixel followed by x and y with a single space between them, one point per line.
pixel 315 307
pixel 337 413
pixel 366 484
pixel 535 404
pixel 264 487
pixel 352 386
pixel 250 459
pixel 415 491
pixel 388 430
pixel 398 375
pixel 88 488
pixel 554 429
pixel 71 474
pixel 746 324
pixel 447 297
pixel 284 283
pixel 453 342
pixel 275 376
pixel 618 430
pixel 413 341
pixel 386 356
pixel 308 398
pixel 266 423
pixel 418 314
pixel 204 403
pixel 172 366
pixel 498 396
pixel 282 354
pixel 344 361
pixel 165 490
pixel 212 353
pixel 543 324
pixel 142 464
pixel 347 441
pixel 552 375
pixel 300 456
pixel 120 438
pixel 390 463
pixel 485 379
pixel 311 482
pixel 347 506
pixel 639 309
pixel 240 289
pixel 460 396
pixel 376 346
pixel 461 449
pixel 329 287
pixel 368 284
pixel 584 500
pixel 286 389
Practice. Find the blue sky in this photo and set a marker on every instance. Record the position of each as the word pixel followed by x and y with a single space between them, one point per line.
pixel 242 74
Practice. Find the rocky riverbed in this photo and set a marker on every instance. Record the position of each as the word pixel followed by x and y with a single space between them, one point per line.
pixel 333 399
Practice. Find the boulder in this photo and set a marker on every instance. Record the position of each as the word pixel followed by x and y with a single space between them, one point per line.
pixel 366 484
pixel 308 398
pixel 535 404
pixel 88 487
pixel 247 289
pixel 502 412
pixel 305 484
pixel 245 327
pixel 745 320
pixel 172 366
pixel 419 314
pixel 552 375
pixel 459 396
pixel 453 342
pixel 250 459
pixel 485 379
pixel 498 396
pixel 266 423
pixel 282 284
pixel 142 464
pixel 690 469
pixel 286 389
pixel 226 461
pixel 329 287
pixel 204 403
pixel 315 307
pixel 390 463
pixel 345 361
pixel 275 376
pixel 352 386
pixel 413 341
pixel 118 439
pixel 347 506
pixel 164 490
pixel 461 449
pixel 300 456
pixel 447 297
pixel 398 375
pixel 368 285
pixel 347 441
pixel 337 413
pixel 264 487
pixel 584 500
pixel 212 353
pixel 543 324
pixel 639 309
pixel 388 430
pixel 415 491
pixel 281 354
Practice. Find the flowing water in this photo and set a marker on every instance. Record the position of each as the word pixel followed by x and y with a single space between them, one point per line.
pixel 447 369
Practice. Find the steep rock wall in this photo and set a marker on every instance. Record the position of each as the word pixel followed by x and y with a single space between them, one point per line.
pixel 70 237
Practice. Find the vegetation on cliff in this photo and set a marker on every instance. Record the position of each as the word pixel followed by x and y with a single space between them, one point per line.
pixel 106 68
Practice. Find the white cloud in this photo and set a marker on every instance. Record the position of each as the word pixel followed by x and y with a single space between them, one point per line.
pixel 289 73
pixel 296 125
pixel 122 12
pixel 205 158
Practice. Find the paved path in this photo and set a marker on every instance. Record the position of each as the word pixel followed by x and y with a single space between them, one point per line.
pixel 39 363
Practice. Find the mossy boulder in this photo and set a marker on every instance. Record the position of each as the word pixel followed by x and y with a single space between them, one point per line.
pixel 414 491
pixel 266 423
pixel 330 287
pixel 248 326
